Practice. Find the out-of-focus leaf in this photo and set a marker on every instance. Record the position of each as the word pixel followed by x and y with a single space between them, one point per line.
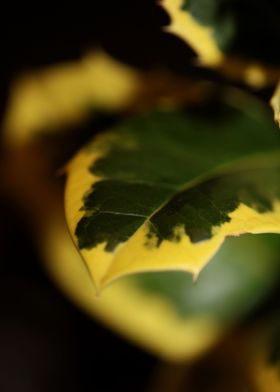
pixel 264 364
pixel 163 190
pixel 65 93
pixel 47 101
pixel 239 362
pixel 174 321
pixel 240 27
pixel 196 328
pixel 199 37
pixel 243 269
pixel 217 14
pixel 265 375
pixel 222 37
pixel 254 352
pixel 275 104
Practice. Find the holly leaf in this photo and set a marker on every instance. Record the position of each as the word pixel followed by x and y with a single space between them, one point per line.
pixel 163 190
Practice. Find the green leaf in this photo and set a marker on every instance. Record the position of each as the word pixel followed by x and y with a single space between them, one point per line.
pixel 239 276
pixel 163 190
pixel 216 13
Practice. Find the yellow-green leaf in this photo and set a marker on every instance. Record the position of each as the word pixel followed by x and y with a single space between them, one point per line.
pixel 63 94
pixel 266 375
pixel 275 104
pixel 200 38
pixel 218 32
pixel 148 320
pixel 164 312
pixel 163 190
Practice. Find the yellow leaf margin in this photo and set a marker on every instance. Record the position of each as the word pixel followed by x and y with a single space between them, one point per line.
pixel 145 319
pixel 199 37
pixel 132 256
pixel 64 94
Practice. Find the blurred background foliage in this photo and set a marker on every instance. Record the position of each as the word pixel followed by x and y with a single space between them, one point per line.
pixel 59 86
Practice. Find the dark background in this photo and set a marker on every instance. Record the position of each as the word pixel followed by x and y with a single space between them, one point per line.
pixel 46 344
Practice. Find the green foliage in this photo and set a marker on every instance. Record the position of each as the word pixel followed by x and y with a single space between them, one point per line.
pixel 217 14
pixel 244 271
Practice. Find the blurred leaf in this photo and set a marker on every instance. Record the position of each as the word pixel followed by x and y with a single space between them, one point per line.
pixel 163 190
pixel 253 352
pixel 221 35
pixel 199 37
pixel 215 13
pixel 176 322
pixel 239 27
pixel 239 362
pixel 66 93
pixel 264 348
pixel 275 104
pixel 47 101
pixel 265 374
pixel 243 271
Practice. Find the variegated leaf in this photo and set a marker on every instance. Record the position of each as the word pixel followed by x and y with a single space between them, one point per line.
pixel 163 190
